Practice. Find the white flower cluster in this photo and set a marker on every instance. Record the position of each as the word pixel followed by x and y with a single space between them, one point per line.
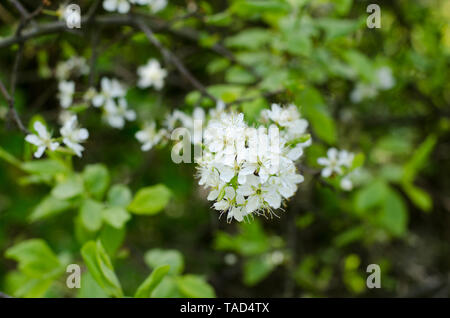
pixel 251 171
pixel 338 163
pixel 111 99
pixel 123 6
pixel 71 136
pixel 383 80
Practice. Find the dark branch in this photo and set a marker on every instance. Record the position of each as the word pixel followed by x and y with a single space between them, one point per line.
pixel 168 55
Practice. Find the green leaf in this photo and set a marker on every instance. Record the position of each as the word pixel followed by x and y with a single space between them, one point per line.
pixel 394 216
pixel 313 108
pixel 150 200
pixel 251 7
pixel 49 206
pixel 167 288
pixel 335 28
pixel 112 238
pixel 119 195
pixel 256 269
pixel 101 269
pixel 419 159
pixel 251 241
pixel 251 39
pixel 44 166
pixel 419 197
pixel 91 214
pixel 158 257
pixel 90 288
pixel 36 259
pixel 358 161
pixel 146 288
pixel 96 180
pixel 115 216
pixel 69 188
pixel 371 195
pixel 194 286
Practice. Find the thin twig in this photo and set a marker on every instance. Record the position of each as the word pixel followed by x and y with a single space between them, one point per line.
pixel 173 58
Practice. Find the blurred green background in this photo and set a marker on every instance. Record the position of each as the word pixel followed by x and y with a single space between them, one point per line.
pixel 311 53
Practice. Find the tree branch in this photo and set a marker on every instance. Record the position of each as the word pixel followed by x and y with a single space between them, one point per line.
pixel 173 58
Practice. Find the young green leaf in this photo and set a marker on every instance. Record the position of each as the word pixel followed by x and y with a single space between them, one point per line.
pixel 91 214
pixel 158 257
pixel 96 180
pixel 150 200
pixel 146 288
pixel 69 188
pixel 101 269
pixel 194 286
pixel 49 206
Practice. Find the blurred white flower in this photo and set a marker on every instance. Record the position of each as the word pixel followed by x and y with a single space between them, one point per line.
pixel 73 135
pixel 121 6
pixel 110 89
pixel 157 5
pixel 149 136
pixel 384 77
pixel 382 80
pixel 117 114
pixel 151 74
pixel 42 140
pixel 73 66
pixel 331 162
pixel 363 91
pixel 338 163
pixel 66 91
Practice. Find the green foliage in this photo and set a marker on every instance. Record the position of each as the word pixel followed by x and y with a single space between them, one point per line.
pixel 38 267
pixel 152 281
pixel 249 54
pixel 150 200
pixel 100 267
pixel 157 257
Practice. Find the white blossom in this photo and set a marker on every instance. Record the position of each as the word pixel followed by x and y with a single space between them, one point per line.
pixel 66 91
pixel 42 140
pixel 151 74
pixel 110 89
pixel 157 5
pixel 73 135
pixel 385 79
pixel 73 66
pixel 149 136
pixel 382 80
pixel 247 169
pixel 338 163
pixel 117 114
pixel 121 6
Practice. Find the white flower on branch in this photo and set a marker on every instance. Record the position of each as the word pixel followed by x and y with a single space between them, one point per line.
pixel 73 135
pixel 149 136
pixel 42 140
pixel 121 6
pixel 157 5
pixel 117 114
pixel 151 74
pixel 73 66
pixel 338 163
pixel 110 89
pixel 66 91
pixel 246 168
